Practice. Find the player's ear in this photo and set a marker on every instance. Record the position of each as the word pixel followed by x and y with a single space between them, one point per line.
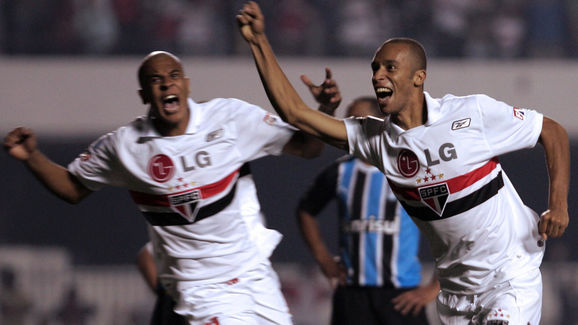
pixel 419 78
pixel 143 96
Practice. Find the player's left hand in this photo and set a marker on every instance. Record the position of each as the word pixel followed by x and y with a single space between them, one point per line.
pixel 553 223
pixel 327 94
pixel 251 21
pixel 413 301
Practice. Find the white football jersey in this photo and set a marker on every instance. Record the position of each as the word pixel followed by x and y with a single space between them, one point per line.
pixel 447 175
pixel 186 186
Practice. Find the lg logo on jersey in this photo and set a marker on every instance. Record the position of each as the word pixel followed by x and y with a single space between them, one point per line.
pixel 408 163
pixel 446 152
pixel 161 167
pixel 200 159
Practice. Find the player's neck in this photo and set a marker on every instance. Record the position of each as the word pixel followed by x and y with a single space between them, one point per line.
pixel 169 130
pixel 413 115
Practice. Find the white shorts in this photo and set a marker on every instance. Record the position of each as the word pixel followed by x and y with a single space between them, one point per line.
pixel 515 302
pixel 253 298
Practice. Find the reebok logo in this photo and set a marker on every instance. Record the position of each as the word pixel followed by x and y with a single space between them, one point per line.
pixel 461 124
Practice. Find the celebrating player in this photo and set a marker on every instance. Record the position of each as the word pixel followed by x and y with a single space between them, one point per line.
pixel 181 163
pixel 440 156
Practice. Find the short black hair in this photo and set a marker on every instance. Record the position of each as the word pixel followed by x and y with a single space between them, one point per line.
pixel 151 56
pixel 416 49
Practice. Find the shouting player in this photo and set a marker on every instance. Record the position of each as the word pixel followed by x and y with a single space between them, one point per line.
pixel 181 164
pixel 440 156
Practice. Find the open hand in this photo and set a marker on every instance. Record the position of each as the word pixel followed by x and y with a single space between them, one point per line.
pixel 327 94
pixel 413 301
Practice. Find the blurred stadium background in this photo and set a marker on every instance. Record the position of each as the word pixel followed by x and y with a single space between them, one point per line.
pixel 68 70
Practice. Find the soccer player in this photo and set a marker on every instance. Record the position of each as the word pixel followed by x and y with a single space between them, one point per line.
pixel 181 163
pixel 378 273
pixel 440 156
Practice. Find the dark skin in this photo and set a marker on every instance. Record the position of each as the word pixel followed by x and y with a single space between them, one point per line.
pixel 164 88
pixel 395 70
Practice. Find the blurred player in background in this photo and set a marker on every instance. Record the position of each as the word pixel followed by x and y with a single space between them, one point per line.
pixel 378 273
pixel 440 157
pixel 15 306
pixel 181 163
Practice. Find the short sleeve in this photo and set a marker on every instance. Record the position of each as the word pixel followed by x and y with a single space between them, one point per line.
pixel 260 132
pixel 97 166
pixel 508 128
pixel 321 192
pixel 364 136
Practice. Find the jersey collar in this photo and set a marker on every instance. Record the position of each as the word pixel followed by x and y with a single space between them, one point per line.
pixel 433 114
pixel 433 109
pixel 196 114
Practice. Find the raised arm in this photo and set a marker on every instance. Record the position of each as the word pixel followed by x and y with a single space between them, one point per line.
pixel 281 93
pixel 21 144
pixel 554 139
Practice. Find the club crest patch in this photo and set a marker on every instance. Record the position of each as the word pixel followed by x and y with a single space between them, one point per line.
pixel 407 163
pixel 186 204
pixel 85 156
pixel 435 197
pixel 519 113
pixel 270 119
pixel 161 168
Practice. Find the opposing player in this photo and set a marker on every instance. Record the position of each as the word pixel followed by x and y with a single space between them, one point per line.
pixel 440 156
pixel 378 274
pixel 181 163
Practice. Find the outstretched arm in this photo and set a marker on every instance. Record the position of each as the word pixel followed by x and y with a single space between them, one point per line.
pixel 554 139
pixel 21 144
pixel 281 93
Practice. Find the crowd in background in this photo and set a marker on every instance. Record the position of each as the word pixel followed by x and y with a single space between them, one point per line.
pixel 347 28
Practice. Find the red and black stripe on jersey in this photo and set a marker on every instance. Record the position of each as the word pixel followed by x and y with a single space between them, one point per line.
pixel 166 218
pixel 407 196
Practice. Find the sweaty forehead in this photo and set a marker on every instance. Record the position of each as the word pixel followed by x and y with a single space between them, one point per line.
pixel 160 63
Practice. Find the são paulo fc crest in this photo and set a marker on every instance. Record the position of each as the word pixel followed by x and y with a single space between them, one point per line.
pixel 186 204
pixel 435 197
pixel 161 168
pixel 407 163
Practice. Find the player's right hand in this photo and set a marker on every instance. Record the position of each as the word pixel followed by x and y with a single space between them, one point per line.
pixel 335 272
pixel 20 143
pixel 251 21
